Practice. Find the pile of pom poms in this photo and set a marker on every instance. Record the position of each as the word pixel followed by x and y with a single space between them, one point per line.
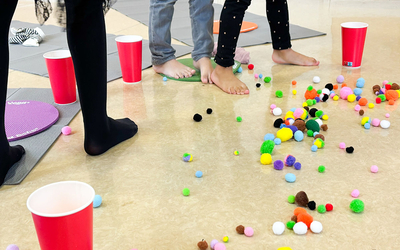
pixel 366 122
pixel 388 92
pixel 301 199
pixel 300 222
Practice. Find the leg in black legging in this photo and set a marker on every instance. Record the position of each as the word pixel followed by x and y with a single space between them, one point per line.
pixel 230 23
pixel 86 36
pixel 8 155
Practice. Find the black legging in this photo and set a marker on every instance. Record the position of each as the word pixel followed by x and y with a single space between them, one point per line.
pixel 231 19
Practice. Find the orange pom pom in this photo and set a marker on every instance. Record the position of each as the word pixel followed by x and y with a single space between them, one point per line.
pixel 299 210
pixel 391 102
pixel 363 101
pixel 311 94
pixel 287 123
pixel 344 85
pixel 306 218
pixel 335 86
pixel 391 95
pixel 294 82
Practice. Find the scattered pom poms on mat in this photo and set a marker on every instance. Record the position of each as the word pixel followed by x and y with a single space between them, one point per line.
pixel 355 193
pixel 12 247
pixel 97 201
pixel 199 174
pixel 220 246
pixel 225 239
pixel 186 192
pixel 289 177
pixel 240 229
pixel 278 165
pixel 197 117
pixel 250 66
pixel 187 157
pixel 202 245
pixel 350 150
pixel 239 119
pixel 248 231
pixel 301 199
pixel 278 228
pixel 357 206
pixel 209 111
pixel 316 227
pixel 316 79
pixel 66 130
pixel 374 169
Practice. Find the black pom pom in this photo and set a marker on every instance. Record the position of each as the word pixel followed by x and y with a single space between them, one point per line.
pixel 329 86
pixel 312 112
pixel 350 150
pixel 325 98
pixel 278 122
pixel 197 117
pixel 311 205
pixel 258 85
pixel 209 111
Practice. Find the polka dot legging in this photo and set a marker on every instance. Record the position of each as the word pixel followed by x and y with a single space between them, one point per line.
pixel 231 20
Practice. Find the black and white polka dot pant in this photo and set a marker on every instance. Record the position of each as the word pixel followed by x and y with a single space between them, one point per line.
pixel 231 20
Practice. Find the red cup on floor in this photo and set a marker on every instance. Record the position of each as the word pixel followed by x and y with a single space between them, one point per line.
pixel 130 58
pixel 63 215
pixel 353 39
pixel 62 76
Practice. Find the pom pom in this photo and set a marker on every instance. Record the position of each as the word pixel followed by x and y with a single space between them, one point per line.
pixel 250 66
pixel 300 228
pixel 340 79
pixel 202 245
pixel 319 143
pixel 329 207
pixel 375 122
pixel 279 93
pixel 225 239
pixel 358 98
pixel 344 92
pixel 306 218
pixel 291 199
pixel 278 228
pixel 240 70
pixel 66 130
pixel 236 152
pixel 320 137
pixel 367 126
pixel 297 166
pixel 316 79
pixel 357 107
pixel 360 83
pixel 255 75
pixel 321 169
pixel 277 111
pixel 361 112
pixel 355 193
pixel 294 218
pixel 314 148
pixel 311 205
pixel 290 160
pixel 267 147
pixel 197 117
pixel 310 93
pixel 278 165
pixel 357 91
pixel 220 246
pixel 350 150
pixel 294 82
pixel 209 111
pixel 267 79
pixel 240 229
pixel 371 105
pixel 391 102
pixel 238 119
pixel 284 134
pixel 248 231
pixel 374 169
pixel 269 136
pixel 278 122
pixel 266 159
pixel 387 115
pixel 301 199
pixel 363 101
pixel 299 210
pixel 365 120
pixel 335 98
pixel 357 206
pixel 260 76
pixel 316 227
pixel 329 86
pixel 12 247
pixel 187 157
pixel 335 86
pixel 199 174
pixel 164 78
pixel 213 243
pixel 313 112
pixel 97 201
pixel 258 85
pixel 290 224
pixel 312 125
pixel 300 124
pixel 272 106
pixel 321 209
pixel 186 192
pixel 277 141
pixel 384 124
pixel 289 177
pixel 351 98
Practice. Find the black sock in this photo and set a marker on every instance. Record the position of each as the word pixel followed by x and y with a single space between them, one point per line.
pixel 8 159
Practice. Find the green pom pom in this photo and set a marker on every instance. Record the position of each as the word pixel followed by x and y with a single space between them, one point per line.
pixel 382 97
pixel 321 209
pixel 290 224
pixel 319 91
pixel 309 102
pixel 239 119
pixel 279 93
pixel 357 206
pixel 321 169
pixel 319 113
pixel 291 199
pixel 310 133
pixel 309 88
pixel 314 101
pixel 312 125
pixel 267 79
pixel 186 192
pixel 267 147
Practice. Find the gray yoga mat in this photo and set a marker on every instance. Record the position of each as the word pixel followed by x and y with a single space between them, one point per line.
pixel 37 145
pixel 30 59
pixel 181 25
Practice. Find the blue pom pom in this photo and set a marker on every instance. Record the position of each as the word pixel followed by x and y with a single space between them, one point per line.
pixel 240 70
pixel 283 125
pixel 293 109
pixel 297 166
pixel 260 76
pixel 358 98
pixel 290 160
pixel 357 91
pixel 317 99
pixel 367 126
pixel 97 201
pixel 332 92
pixel 314 148
pixel 164 78
pixel 199 174
pixel 277 141
pixel 360 82
pixel 269 136
pixel 315 133
pixel 289 177
pixel 298 135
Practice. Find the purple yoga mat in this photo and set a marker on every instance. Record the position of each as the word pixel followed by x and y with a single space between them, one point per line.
pixel 27 118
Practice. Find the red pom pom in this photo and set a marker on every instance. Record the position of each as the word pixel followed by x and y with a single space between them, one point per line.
pixel 378 100
pixel 251 66
pixel 388 86
pixel 329 207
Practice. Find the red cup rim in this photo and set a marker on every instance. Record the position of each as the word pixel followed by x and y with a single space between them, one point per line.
pixel 57 54
pixel 61 214
pixel 128 39
pixel 354 25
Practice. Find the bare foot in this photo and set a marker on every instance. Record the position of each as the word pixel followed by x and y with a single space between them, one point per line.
pixel 205 67
pixel 289 56
pixel 227 81
pixel 174 69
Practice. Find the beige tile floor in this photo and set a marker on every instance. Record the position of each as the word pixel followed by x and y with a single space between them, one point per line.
pixel 141 179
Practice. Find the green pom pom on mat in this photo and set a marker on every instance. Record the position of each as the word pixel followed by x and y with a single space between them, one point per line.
pixel 238 119
pixel 291 199
pixel 310 102
pixel 309 88
pixel 267 79
pixel 357 206
pixel 186 192
pixel 319 91
pixel 267 147
pixel 279 93
pixel 290 224
pixel 321 209
pixel 310 133
pixel 321 169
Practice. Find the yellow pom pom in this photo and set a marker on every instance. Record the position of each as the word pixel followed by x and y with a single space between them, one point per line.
pixel 364 120
pixel 266 159
pixel 236 152
pixel 351 98
pixel 371 105
pixel 294 92
pixel 319 143
pixel 284 248
pixel 284 134
pixel 289 114
pixel 325 117
pixel 335 98
pixel 305 104
pixel 398 91
pixel 225 239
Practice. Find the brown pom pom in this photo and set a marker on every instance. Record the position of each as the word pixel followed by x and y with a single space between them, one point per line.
pixel 361 112
pixel 395 86
pixel 300 125
pixel 306 108
pixel 240 229
pixel 301 199
pixel 376 88
pixel 202 245
pixel 294 218
pixel 324 127
pixel 320 136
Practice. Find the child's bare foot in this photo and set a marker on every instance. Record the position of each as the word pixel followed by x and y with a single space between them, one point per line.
pixel 289 56
pixel 174 69
pixel 227 81
pixel 205 67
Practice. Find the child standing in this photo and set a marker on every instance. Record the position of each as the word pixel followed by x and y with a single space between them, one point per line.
pixel 163 54
pixel 231 20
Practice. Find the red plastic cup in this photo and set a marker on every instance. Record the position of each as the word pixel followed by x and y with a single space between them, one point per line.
pixel 62 76
pixel 63 215
pixel 130 58
pixel 353 39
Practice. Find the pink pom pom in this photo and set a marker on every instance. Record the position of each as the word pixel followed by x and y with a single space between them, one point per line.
pixel 355 193
pixel 272 106
pixel 255 75
pixel 387 115
pixel 344 92
pixel 333 95
pixel 298 112
pixel 357 107
pixel 342 145
pixel 374 168
pixel 220 246
pixel 375 122
pixel 248 231
pixel 12 247
pixel 66 130
pixel 384 83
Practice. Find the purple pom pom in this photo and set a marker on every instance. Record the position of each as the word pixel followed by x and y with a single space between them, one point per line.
pixel 278 165
pixel 297 166
pixel 290 160
pixel 358 98
pixel 293 128
pixel 317 99
pixel 12 247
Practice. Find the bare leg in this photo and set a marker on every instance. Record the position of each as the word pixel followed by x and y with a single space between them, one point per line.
pixel 205 67
pixel 289 56
pixel 224 78
pixel 174 69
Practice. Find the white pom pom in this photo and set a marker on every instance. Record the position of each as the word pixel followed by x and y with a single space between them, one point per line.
pixel 385 124
pixel 319 121
pixel 316 79
pixel 277 111
pixel 278 228
pixel 326 91
pixel 316 227
pixel 300 228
